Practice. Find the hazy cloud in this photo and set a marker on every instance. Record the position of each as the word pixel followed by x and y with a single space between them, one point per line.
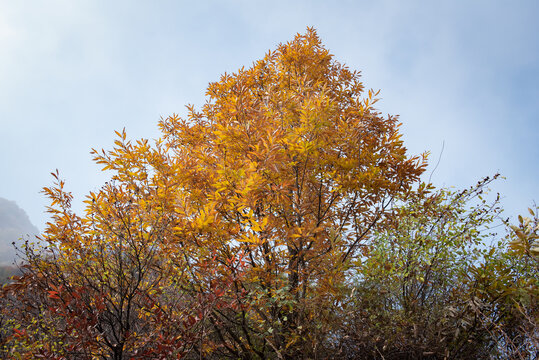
pixel 71 72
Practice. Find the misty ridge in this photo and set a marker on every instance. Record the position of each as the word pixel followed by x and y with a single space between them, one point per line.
pixel 15 226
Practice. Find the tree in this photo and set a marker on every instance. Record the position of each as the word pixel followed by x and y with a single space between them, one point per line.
pixel 250 229
pixel 430 286
pixel 291 169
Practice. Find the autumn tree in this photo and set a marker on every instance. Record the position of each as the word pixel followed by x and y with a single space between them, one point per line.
pixel 289 167
pixel 250 229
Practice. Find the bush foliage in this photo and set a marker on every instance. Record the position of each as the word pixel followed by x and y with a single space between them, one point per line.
pixel 283 220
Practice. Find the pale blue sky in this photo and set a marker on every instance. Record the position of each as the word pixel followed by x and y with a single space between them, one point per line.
pixel 72 72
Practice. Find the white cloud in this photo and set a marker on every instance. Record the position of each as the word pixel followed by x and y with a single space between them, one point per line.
pixel 71 72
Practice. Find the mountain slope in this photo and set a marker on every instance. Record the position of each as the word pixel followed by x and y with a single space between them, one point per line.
pixel 14 225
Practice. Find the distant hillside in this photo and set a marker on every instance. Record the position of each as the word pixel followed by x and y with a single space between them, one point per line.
pixel 6 272
pixel 14 225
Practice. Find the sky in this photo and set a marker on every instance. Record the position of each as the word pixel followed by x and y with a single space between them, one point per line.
pixel 460 74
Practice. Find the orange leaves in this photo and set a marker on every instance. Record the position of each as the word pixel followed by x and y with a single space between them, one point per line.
pixel 239 219
pixel 205 217
pixel 55 292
